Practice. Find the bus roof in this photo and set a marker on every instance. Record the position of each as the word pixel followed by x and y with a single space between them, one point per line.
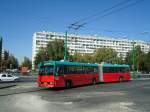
pixel 115 65
pixel 66 63
pixel 81 64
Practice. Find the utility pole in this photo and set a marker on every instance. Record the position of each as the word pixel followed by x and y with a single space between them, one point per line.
pixel 65 53
pixel 133 59
pixel 1 42
pixel 75 26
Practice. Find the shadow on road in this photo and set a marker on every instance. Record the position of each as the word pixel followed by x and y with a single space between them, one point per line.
pixel 56 89
pixel 29 91
pixel 42 89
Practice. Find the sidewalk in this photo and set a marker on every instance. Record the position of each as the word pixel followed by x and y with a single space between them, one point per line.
pixel 6 85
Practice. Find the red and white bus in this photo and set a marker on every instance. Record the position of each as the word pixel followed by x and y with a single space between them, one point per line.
pixel 54 74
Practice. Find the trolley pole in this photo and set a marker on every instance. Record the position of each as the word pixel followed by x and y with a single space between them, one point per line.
pixel 65 52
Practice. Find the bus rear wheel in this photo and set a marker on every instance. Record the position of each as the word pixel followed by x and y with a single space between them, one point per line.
pixel 121 79
pixel 68 84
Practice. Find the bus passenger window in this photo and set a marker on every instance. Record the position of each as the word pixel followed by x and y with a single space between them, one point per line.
pixel 60 70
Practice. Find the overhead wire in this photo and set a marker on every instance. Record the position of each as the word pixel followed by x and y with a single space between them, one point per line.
pixel 115 8
pixel 101 12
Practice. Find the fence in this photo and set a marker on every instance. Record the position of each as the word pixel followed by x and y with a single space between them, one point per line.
pixel 140 76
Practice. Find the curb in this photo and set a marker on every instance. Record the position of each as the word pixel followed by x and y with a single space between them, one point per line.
pixel 8 86
pixel 141 79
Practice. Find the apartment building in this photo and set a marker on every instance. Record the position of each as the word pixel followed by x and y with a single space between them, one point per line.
pixel 86 43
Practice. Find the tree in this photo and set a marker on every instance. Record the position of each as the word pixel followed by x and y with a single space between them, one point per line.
pixel 100 55
pixel 138 58
pixel 147 62
pixel 40 56
pixel 106 55
pixel 118 60
pixel 87 58
pixel 4 60
pixel 26 63
pixel 53 51
pixel 12 62
pixel 76 57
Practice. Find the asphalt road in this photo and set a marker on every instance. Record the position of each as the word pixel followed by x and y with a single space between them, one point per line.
pixel 133 96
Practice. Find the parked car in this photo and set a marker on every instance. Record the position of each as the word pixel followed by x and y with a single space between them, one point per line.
pixel 6 77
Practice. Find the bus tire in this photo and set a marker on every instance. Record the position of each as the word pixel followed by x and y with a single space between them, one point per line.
pixel 94 81
pixel 68 84
pixel 121 79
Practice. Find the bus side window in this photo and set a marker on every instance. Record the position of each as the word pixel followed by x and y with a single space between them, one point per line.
pixel 79 70
pixel 111 69
pixel 60 70
pixel 126 69
pixel 122 69
pixel 92 70
pixel 95 70
pixel 115 70
pixel 108 69
pixel 65 69
pixel 118 69
pixel 85 70
pixel 105 69
pixel 88 70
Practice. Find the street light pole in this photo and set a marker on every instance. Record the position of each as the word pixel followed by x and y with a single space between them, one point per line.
pixel 133 59
pixel 65 53
pixel 1 42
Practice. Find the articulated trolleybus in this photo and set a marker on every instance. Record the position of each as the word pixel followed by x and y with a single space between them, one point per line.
pixel 54 74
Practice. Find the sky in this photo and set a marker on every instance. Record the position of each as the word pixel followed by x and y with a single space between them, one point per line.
pixel 19 19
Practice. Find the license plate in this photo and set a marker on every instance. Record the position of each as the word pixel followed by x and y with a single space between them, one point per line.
pixel 45 83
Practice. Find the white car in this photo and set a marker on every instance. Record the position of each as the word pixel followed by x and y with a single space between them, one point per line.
pixel 5 77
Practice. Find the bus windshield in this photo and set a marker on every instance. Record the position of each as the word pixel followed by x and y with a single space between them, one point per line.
pixel 46 70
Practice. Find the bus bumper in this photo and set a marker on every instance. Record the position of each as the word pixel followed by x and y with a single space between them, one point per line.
pixel 46 85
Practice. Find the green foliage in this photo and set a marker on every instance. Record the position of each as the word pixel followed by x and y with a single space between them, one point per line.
pixel 53 51
pixel 139 58
pixel 40 56
pixel 100 55
pixel 87 58
pixel 26 63
pixel 106 55
pixel 118 60
pixel 147 62
pixel 11 62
